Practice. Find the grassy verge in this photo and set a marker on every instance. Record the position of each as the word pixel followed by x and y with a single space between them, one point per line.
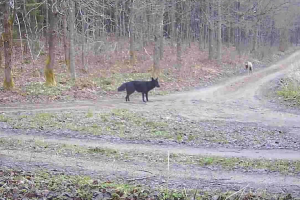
pixel 290 86
pixel 290 92
pixel 136 125
pixel 233 163
pixel 118 122
pixel 98 153
pixel 17 184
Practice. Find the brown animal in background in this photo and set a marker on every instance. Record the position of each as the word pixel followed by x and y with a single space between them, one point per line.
pixel 249 67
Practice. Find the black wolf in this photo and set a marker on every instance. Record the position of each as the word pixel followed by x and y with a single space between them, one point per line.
pixel 140 86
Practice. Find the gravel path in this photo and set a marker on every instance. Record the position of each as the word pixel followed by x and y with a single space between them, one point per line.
pixel 236 105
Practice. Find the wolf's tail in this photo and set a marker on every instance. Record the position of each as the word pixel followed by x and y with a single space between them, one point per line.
pixel 122 87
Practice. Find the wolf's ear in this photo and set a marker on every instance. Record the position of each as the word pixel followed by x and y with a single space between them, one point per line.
pixel 152 78
pixel 156 79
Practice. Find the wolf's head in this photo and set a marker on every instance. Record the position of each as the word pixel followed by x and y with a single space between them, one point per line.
pixel 155 81
pixel 246 65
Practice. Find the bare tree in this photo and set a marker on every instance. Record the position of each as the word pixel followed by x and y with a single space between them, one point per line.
pixel 65 37
pixel 210 30
pixel 179 32
pixel 172 14
pixel 158 29
pixel 161 29
pixel 83 24
pixel 1 49
pixel 49 74
pixel 131 31
pixel 72 37
pixel 219 32
pixel 7 43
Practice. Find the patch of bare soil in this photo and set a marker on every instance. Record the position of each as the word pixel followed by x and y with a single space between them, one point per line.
pixel 237 102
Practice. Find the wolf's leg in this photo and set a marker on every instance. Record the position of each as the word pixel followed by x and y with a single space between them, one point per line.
pixel 143 96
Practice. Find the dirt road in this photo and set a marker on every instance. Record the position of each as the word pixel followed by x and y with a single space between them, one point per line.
pixel 239 100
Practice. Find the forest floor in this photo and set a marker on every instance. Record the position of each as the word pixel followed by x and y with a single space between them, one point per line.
pixel 227 136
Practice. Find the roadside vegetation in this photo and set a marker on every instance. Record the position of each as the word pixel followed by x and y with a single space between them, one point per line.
pixel 150 126
pixel 42 184
pixel 290 86
pixel 284 167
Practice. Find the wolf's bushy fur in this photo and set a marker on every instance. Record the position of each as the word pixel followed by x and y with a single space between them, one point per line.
pixel 140 86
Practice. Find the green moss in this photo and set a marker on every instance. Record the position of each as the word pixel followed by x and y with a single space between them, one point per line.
pixel 8 85
pixel 49 74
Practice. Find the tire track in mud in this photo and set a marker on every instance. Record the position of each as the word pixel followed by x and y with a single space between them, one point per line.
pixel 282 154
pixel 180 176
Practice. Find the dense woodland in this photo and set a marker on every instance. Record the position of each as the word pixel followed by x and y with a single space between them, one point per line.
pixel 255 28
pixel 66 132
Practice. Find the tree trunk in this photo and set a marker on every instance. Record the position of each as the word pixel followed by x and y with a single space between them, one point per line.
pixel 8 83
pixel 158 21
pixel 47 21
pixel 254 44
pixel 49 74
pixel 219 32
pixel 284 40
pixel 72 35
pixel 179 33
pixel 65 41
pixel 1 47
pixel 144 30
pixel 200 36
pixel 83 41
pixel 188 8
pixel 123 18
pixel 210 34
pixel 131 33
pixel 117 18
pixel 201 26
pixel 231 34
pixel 210 43
pixel 173 20
pixel 161 29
